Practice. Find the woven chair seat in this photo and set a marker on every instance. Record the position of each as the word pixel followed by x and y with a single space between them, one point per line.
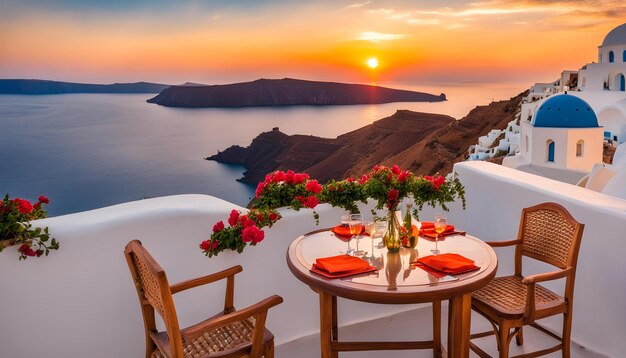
pixel 226 339
pixel 507 296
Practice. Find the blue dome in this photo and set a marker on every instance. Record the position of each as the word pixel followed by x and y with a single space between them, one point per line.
pixel 565 111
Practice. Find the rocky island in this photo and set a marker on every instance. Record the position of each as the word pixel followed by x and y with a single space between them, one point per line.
pixel 285 92
pixel 422 142
pixel 22 86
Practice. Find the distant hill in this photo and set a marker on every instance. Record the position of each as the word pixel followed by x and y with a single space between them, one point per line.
pixel 422 142
pixel 285 92
pixel 14 86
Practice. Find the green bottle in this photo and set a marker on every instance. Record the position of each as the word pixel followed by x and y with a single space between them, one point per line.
pixel 411 241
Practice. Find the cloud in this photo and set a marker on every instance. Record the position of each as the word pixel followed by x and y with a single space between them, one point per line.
pixel 357 5
pixel 414 21
pixel 377 36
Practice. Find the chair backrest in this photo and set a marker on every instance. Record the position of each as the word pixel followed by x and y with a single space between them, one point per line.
pixel 548 233
pixel 154 292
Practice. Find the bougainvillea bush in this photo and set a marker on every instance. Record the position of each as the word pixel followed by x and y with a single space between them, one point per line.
pixel 386 186
pixel 16 229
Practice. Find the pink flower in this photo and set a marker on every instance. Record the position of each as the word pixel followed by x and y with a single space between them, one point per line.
pixel 43 199
pixel 395 169
pixel 252 234
pixel 311 202
pixel 314 187
pixel 23 206
pixel 234 217
pixel 219 226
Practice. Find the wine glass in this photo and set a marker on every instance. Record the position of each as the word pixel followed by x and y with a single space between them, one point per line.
pixel 381 229
pixel 345 222
pixel 370 229
pixel 356 225
pixel 441 222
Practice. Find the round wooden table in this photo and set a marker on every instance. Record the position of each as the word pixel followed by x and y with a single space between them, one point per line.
pixel 396 282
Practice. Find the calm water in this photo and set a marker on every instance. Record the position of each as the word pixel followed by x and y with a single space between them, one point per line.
pixel 87 151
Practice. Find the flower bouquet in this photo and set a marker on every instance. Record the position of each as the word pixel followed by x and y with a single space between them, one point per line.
pixel 15 227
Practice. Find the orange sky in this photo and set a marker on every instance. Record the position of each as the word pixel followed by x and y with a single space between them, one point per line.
pixel 196 41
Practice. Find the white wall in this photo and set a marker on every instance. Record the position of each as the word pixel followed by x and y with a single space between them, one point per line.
pixel 81 301
pixel 600 293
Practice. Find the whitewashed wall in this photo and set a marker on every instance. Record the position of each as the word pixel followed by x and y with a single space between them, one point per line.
pixel 81 301
pixel 495 198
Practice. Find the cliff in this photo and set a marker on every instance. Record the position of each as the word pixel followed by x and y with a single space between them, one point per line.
pixel 422 142
pixel 285 92
pixel 19 86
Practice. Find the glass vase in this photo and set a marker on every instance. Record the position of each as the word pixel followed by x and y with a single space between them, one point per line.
pixel 392 236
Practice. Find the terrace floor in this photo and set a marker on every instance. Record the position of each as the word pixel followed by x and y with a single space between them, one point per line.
pixel 416 324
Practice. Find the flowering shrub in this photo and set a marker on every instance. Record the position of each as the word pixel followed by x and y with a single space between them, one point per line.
pixel 387 186
pixel 15 227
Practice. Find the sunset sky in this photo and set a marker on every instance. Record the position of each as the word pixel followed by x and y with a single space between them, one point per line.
pixel 225 41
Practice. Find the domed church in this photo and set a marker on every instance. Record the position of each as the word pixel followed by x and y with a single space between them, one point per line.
pixel 564 134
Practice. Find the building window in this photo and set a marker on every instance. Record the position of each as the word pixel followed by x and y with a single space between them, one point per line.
pixel 622 83
pixel 624 56
pixel 611 57
pixel 550 150
pixel 580 148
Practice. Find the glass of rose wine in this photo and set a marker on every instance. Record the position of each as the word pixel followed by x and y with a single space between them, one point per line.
pixel 345 222
pixel 441 222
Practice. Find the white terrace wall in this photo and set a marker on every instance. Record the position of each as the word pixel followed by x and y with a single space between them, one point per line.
pixel 495 198
pixel 81 301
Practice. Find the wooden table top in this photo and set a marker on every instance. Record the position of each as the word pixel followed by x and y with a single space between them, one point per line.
pixel 396 281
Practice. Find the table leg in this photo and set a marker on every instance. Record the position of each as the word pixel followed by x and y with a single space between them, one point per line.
pixel 326 323
pixel 459 322
pixel 437 329
pixel 335 327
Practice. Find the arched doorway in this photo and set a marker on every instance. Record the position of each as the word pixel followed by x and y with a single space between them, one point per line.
pixel 619 84
pixel 550 150
pixel 624 56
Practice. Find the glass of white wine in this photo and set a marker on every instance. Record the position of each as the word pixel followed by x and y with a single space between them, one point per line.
pixel 370 229
pixel 441 222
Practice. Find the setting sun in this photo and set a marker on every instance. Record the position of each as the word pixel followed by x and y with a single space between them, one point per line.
pixel 372 62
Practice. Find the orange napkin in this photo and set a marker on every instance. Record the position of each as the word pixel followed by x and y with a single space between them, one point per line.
pixel 448 263
pixel 341 266
pixel 428 229
pixel 344 230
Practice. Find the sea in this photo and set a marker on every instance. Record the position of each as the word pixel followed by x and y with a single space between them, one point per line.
pixel 86 151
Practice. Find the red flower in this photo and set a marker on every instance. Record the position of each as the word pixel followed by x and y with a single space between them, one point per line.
pixel 314 187
pixel 27 250
pixel 205 245
pixel 215 244
pixel 259 189
pixel 364 179
pixel 403 176
pixel 395 169
pixel 279 176
pixel 37 205
pixel 273 216
pixel 311 202
pixel 350 179
pixel 23 206
pixel 248 223
pixel 392 197
pixel 234 217
pixel 43 199
pixel 252 234
pixel 300 178
pixel 218 227
pixel 290 177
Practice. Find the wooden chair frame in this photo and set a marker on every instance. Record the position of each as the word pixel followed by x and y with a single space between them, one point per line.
pixel 159 298
pixel 502 324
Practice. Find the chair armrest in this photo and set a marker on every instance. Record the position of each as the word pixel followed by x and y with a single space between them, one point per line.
pixel 547 276
pixel 185 285
pixel 239 315
pixel 503 243
pixel 530 281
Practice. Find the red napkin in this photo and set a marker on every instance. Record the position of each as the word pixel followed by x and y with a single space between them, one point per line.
pixel 448 263
pixel 341 266
pixel 344 230
pixel 428 229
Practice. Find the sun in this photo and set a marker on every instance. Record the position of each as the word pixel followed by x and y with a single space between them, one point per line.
pixel 372 62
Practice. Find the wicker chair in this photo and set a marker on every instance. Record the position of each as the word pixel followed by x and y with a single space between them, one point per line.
pixel 550 234
pixel 231 333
